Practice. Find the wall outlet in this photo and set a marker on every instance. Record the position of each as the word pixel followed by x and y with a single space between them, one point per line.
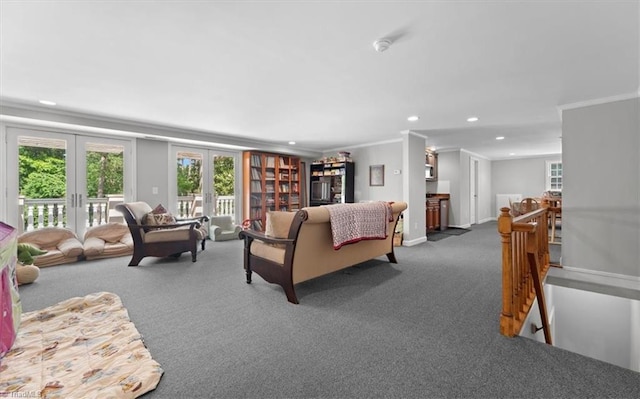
pixel 154 190
pixel 397 171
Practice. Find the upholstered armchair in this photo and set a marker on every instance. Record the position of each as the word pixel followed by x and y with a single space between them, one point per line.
pixel 223 228
pixel 157 233
pixel 62 245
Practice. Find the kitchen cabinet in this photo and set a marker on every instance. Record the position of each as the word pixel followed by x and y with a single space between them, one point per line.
pixel 431 166
pixel 437 212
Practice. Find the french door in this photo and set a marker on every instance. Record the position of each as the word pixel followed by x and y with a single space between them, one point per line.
pixel 205 182
pixel 65 180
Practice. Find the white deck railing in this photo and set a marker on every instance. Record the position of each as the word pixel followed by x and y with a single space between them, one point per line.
pixel 52 212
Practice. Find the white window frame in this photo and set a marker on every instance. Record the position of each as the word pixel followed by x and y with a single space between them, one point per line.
pixel 548 183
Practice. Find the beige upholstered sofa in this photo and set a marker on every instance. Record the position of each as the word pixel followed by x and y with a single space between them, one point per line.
pixel 62 245
pixel 299 246
pixel 107 241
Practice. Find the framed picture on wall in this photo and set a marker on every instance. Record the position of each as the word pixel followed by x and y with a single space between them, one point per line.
pixel 376 175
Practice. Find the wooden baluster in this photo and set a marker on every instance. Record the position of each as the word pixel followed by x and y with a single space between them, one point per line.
pixel 534 267
pixel 506 316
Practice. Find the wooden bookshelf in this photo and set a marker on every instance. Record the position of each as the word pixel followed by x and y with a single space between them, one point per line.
pixel 271 182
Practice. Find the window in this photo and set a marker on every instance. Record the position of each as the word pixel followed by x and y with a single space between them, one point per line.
pixel 554 176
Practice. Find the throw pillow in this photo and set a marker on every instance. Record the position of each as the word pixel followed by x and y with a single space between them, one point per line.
pixel 278 224
pixel 159 216
pixel 159 209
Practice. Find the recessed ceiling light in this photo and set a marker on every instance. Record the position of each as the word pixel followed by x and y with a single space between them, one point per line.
pixel 413 118
pixel 512 153
pixel 47 102
pixel 472 119
pixel 292 143
pixel 500 138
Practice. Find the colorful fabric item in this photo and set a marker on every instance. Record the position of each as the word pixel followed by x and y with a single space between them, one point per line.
pixel 84 347
pixel 356 222
pixel 10 305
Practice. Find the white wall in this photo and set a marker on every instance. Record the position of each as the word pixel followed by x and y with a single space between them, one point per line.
pixel 508 177
pixel 601 193
pixel 152 170
pixel 454 168
pixel 405 156
pixel 414 192
pixel 484 192
pixel 387 154
pixel 586 324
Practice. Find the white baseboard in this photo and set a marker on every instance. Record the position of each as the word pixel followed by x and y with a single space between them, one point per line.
pixel 417 241
pixel 485 220
pixel 460 226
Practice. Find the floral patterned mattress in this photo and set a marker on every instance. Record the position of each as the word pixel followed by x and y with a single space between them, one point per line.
pixel 84 347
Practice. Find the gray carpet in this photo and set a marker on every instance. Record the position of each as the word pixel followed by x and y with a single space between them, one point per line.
pixel 426 327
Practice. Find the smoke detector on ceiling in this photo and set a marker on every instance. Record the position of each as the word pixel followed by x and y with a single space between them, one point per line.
pixel 381 45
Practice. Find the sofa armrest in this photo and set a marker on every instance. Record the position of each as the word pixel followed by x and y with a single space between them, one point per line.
pixel 250 235
pixel 215 230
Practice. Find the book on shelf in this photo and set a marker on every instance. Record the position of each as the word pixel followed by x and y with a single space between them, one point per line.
pixel 256 213
pixel 256 200
pixel 256 225
pixel 271 162
pixel 256 186
pixel 256 174
pixel 256 161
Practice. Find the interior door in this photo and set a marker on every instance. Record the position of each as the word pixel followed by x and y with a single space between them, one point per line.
pixel 204 183
pixel 473 191
pixel 64 180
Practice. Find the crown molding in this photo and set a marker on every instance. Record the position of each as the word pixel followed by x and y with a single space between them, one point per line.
pixel 30 115
pixel 598 101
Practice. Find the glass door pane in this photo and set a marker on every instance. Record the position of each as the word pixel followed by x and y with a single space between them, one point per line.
pixel 104 179
pixel 65 180
pixel 190 180
pixel 204 183
pixel 43 182
pixel 223 198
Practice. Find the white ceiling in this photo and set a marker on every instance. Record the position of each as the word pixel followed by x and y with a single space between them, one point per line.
pixel 306 71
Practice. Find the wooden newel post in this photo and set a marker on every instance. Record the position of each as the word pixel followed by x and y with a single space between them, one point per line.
pixel 506 317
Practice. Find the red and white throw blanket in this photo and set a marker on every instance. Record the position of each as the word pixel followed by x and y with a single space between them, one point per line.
pixel 356 222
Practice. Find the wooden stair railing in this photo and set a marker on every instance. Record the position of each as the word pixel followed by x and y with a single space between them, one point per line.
pixel 525 263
